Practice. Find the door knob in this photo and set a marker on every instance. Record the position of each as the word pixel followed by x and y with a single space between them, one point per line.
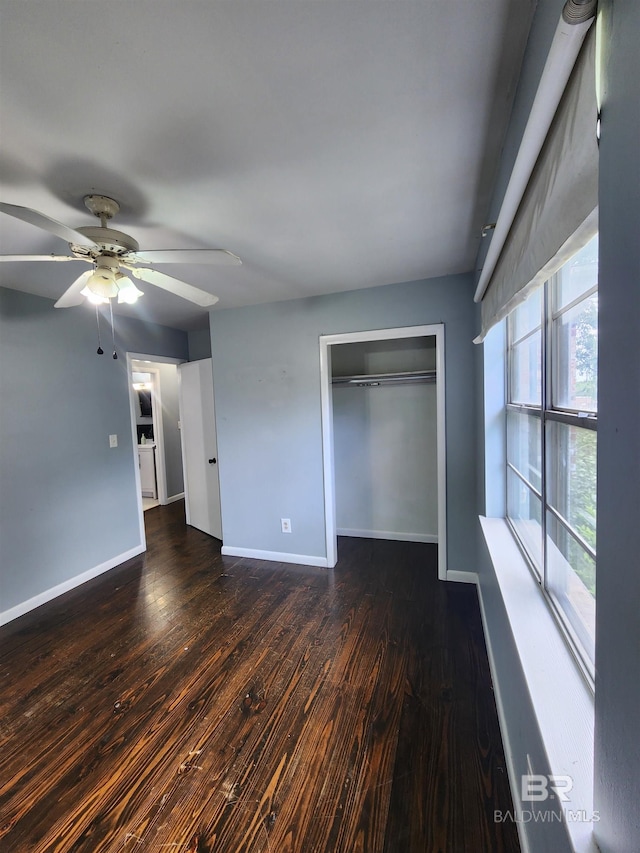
pixel 212 461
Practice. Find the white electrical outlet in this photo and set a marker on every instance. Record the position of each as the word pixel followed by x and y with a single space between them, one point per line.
pixel 113 441
pixel 286 525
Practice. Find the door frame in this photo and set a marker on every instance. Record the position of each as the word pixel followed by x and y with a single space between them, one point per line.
pixel 326 342
pixel 158 433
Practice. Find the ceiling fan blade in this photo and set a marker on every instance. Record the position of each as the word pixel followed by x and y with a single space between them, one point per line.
pixel 73 295
pixel 33 217
pixel 174 285
pixel 14 258
pixel 187 256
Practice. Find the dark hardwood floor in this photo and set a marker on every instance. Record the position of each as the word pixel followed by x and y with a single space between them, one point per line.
pixel 191 702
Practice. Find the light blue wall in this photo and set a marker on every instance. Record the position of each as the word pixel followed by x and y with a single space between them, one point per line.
pixel 68 501
pixel 199 344
pixel 492 430
pixel 267 389
pixel 617 710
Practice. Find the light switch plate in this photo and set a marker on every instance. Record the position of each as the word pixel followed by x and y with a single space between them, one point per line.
pixel 113 441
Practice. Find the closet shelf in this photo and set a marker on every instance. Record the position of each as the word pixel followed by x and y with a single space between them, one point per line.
pixel 374 379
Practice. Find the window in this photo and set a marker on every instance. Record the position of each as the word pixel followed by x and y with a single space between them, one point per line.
pixel 551 440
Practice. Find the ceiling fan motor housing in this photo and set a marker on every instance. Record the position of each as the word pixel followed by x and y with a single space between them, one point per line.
pixel 107 240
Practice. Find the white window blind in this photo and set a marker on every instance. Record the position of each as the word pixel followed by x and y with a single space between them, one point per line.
pixel 558 211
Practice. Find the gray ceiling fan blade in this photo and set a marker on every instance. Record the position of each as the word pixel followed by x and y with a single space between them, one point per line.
pixel 173 285
pixel 33 217
pixel 14 258
pixel 187 256
pixel 73 295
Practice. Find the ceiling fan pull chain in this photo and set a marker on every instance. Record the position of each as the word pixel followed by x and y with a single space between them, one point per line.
pixel 113 334
pixel 100 351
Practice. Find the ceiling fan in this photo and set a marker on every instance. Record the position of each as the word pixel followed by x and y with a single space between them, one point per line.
pixel 114 256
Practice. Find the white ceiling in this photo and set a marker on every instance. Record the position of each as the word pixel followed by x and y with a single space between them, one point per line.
pixel 331 144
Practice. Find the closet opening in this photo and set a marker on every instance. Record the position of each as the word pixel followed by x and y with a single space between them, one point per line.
pixel 383 428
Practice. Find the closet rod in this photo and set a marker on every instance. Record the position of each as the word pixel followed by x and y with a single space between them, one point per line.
pixel 374 379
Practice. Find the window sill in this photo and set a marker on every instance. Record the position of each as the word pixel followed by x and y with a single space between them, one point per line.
pixel 561 699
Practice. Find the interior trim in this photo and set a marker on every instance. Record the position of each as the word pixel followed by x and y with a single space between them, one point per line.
pixel 49 594
pixel 274 556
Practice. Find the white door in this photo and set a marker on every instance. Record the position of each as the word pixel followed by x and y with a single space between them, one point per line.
pixel 199 447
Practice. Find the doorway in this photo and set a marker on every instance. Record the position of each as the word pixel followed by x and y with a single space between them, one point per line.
pixel 155 431
pixel 147 396
pixel 327 342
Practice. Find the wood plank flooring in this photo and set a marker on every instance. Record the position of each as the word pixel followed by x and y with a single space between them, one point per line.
pixel 192 702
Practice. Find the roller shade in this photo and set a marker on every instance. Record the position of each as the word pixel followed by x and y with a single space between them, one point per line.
pixel 558 211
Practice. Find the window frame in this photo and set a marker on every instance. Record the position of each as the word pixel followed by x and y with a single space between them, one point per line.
pixel 547 413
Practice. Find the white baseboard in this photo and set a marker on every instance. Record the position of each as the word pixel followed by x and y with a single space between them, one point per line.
pixel 49 594
pixel 462 577
pixel 274 556
pixel 175 498
pixel 389 534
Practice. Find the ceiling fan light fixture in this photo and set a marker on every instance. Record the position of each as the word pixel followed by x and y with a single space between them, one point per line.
pixel 102 282
pixel 93 298
pixel 128 293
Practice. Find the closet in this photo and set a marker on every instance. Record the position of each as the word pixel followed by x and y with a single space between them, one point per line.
pixel 385 438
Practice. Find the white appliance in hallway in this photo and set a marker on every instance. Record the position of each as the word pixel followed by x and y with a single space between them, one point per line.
pixel 147 460
pixel 200 447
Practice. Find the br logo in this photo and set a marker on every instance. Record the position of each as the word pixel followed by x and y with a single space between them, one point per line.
pixel 537 787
